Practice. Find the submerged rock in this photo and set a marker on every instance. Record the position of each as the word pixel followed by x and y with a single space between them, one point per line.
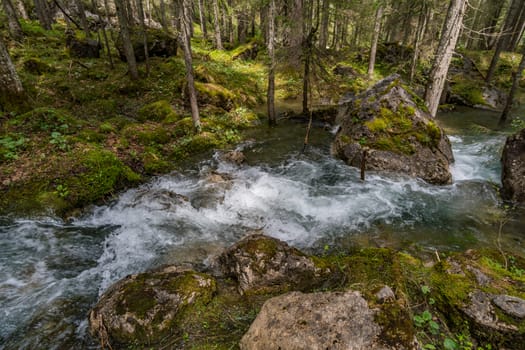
pixel 263 264
pixel 332 320
pixel 387 129
pixel 144 308
pixel 513 168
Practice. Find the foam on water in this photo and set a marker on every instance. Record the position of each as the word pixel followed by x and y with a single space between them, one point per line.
pixel 305 200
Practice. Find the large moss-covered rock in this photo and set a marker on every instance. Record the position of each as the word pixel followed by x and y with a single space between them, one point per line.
pixel 160 44
pixel 388 129
pixel 263 264
pixel 513 170
pixel 144 308
pixel 332 320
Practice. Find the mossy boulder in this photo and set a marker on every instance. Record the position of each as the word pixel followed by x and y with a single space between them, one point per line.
pixel 147 133
pixel 386 128
pixel 38 67
pixel 215 94
pixel 160 44
pixel 263 264
pixel 513 168
pixel 143 309
pixel 247 51
pixel 158 111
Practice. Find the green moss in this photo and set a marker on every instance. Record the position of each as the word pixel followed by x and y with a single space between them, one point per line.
pixel 147 134
pixel 154 164
pixel 158 111
pixel 36 66
pixel 378 124
pixel 47 119
pixel 216 94
pixel 469 90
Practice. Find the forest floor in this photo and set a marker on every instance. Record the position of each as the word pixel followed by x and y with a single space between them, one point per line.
pixel 88 131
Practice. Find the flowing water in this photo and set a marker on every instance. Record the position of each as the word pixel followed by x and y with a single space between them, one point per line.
pixel 52 272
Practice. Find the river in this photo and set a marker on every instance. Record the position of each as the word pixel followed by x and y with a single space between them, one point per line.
pixel 52 272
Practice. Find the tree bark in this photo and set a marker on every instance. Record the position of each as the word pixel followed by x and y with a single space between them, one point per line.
pixel 420 34
pixel 375 39
pixel 325 18
pixel 516 77
pixel 82 15
pixel 15 30
pixel 10 83
pixel 21 9
pixel 217 26
pixel 140 9
pixel 126 39
pixel 188 61
pixel 447 43
pixel 163 19
pixel 202 19
pixel 42 11
pixel 270 98
pixel 504 36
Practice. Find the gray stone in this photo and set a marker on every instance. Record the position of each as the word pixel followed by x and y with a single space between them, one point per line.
pixel 317 321
pixel 512 306
pixel 513 168
pixel 481 278
pixel 264 264
pixel 386 294
pixel 386 126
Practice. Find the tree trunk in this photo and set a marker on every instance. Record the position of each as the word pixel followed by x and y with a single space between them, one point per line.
pixel 21 9
pixel 503 38
pixel 420 34
pixel 272 120
pixel 126 39
pixel 163 19
pixel 10 83
pixel 325 19
pixel 447 43
pixel 516 77
pixel 228 15
pixel 42 11
pixel 217 26
pixel 202 19
pixel 185 21
pixel 373 48
pixel 15 30
pixel 140 9
pixel 82 15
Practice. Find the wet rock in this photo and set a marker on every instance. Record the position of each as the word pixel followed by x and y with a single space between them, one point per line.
pixel 335 320
pixel 235 157
pixel 143 308
pixel 513 164
pixel 262 264
pixel 386 294
pixel 387 129
pixel 486 321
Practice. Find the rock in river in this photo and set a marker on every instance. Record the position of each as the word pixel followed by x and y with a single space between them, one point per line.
pixel 143 308
pixel 388 129
pixel 513 172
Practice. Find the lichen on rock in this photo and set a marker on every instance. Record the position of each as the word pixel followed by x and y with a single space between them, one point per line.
pixel 144 308
pixel 388 129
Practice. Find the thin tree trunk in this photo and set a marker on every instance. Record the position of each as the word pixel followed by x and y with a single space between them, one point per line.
pixel 420 34
pixel 272 120
pixel 15 30
pixel 188 61
pixel 516 77
pixel 10 83
pixel 126 39
pixel 140 9
pixel 43 14
pixel 447 43
pixel 202 19
pixel 373 48
pixel 21 9
pixel 83 19
pixel 503 37
pixel 325 19
pixel 163 19
pixel 217 29
pixel 228 13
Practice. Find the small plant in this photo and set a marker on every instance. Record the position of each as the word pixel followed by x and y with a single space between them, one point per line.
pixel 10 146
pixel 62 191
pixel 59 140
